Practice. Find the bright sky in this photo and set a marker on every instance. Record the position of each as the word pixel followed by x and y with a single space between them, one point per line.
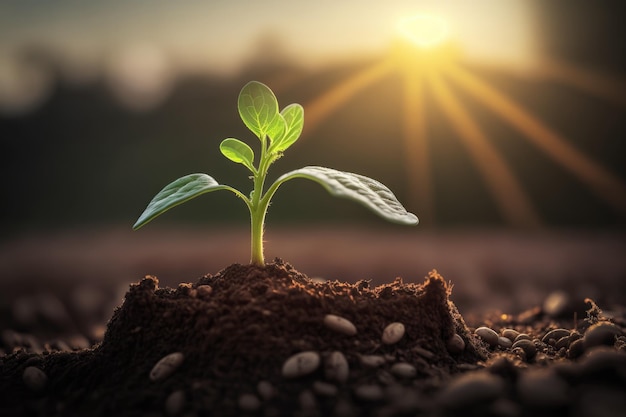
pixel 220 35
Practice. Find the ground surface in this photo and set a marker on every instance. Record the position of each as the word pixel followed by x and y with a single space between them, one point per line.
pixel 59 293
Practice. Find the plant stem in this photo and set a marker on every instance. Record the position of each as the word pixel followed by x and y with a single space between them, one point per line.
pixel 257 218
pixel 258 207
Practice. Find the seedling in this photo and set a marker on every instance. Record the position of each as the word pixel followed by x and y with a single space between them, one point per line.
pixel 277 131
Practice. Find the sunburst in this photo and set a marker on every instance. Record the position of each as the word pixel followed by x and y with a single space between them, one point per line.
pixel 425 61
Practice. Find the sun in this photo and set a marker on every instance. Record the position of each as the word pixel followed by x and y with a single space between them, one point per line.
pixel 424 30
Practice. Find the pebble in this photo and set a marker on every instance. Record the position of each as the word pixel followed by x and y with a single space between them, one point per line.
pixel 510 334
pixel 455 344
pixel 504 342
pixel 34 378
pixel 529 348
pixel 471 388
pixel 175 402
pixel 249 402
pixel 424 353
pixel 488 335
pixel 522 336
pixel 576 349
pixel 301 364
pixel 542 388
pixel 369 392
pixel 325 389
pixel 393 333
pixel 562 342
pixel 339 324
pixel 372 361
pixel 266 390
pixel 403 370
pixel 603 333
pixel 336 367
pixel 204 291
pixel 555 335
pixel 166 366
pixel 556 304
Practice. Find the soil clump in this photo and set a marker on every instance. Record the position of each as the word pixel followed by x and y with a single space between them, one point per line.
pixel 269 341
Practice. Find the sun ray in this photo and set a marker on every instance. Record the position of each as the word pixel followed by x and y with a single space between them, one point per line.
pixel 601 181
pixel 508 193
pixel 599 85
pixel 417 162
pixel 318 109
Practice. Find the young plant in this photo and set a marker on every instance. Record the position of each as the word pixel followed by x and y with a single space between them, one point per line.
pixel 277 131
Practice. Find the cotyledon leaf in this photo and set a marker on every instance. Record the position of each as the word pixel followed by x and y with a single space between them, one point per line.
pixel 258 109
pixel 177 192
pixel 362 189
pixel 293 115
pixel 238 151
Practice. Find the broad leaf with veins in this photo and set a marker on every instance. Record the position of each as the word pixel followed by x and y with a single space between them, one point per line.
pixel 371 193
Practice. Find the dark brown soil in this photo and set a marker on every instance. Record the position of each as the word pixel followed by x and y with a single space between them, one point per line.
pixel 238 335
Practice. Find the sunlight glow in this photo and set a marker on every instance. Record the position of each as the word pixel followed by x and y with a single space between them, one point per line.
pixel 601 181
pixel 416 157
pixel 506 190
pixel 425 31
pixel 318 109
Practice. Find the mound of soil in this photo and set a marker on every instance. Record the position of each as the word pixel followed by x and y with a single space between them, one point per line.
pixel 259 341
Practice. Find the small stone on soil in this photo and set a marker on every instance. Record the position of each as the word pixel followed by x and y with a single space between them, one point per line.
pixel 488 335
pixel 336 367
pixel 301 364
pixel 339 325
pixel 529 348
pixel 34 378
pixel 602 333
pixel 372 361
pixel 455 344
pixel 204 291
pixel 266 390
pixel 504 342
pixel 555 335
pixel 510 334
pixel 325 389
pixel 166 366
pixel 403 370
pixel 369 392
pixel 175 403
pixel 393 333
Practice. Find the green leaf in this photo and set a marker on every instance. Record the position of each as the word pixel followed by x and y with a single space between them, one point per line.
pixel 364 190
pixel 238 152
pixel 177 192
pixel 294 119
pixel 277 129
pixel 258 109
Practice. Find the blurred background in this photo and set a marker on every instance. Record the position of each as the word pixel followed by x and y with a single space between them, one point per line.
pixel 501 124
